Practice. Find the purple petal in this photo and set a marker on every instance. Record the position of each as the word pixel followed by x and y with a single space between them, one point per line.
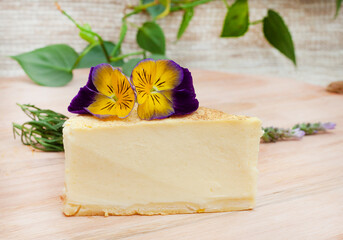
pixel 181 71
pixel 329 125
pixel 83 99
pixel 90 84
pixel 297 133
pixel 184 97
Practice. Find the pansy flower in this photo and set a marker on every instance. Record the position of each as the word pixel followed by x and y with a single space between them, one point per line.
pixel 163 89
pixel 108 92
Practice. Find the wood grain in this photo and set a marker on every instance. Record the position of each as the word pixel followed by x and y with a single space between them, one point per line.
pixel 300 188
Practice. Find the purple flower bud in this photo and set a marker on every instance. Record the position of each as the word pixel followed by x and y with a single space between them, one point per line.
pixel 328 125
pixel 297 133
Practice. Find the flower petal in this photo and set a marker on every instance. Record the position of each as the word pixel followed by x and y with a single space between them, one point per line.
pixel 90 84
pixel 328 125
pixel 82 100
pixel 105 77
pixel 156 106
pixel 104 106
pixel 126 97
pixel 142 78
pixel 168 75
pixel 184 97
pixel 297 133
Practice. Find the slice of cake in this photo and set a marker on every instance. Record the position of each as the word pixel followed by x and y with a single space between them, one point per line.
pixel 202 162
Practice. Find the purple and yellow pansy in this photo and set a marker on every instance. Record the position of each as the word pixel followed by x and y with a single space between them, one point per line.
pixel 163 88
pixel 108 92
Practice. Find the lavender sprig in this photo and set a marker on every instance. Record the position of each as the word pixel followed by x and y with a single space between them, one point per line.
pixel 272 134
pixel 313 128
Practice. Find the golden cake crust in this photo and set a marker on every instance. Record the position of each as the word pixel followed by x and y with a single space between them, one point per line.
pixel 70 209
pixel 202 114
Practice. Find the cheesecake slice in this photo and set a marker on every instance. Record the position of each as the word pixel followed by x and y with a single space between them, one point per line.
pixel 202 162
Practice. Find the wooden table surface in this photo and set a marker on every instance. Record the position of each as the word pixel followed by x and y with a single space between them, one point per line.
pixel 300 187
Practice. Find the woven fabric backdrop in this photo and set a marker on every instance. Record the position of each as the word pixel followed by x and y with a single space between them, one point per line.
pixel 318 37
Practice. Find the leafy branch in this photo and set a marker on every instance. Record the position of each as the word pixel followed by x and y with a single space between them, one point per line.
pixel 53 65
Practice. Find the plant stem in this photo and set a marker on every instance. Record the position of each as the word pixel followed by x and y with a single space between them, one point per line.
pixel 145 6
pixel 139 8
pixel 131 13
pixel 256 22
pixel 101 41
pixel 114 59
pixel 122 35
pixel 133 25
pixel 182 1
pixel 87 49
pixel 104 50
pixel 226 4
pixel 188 5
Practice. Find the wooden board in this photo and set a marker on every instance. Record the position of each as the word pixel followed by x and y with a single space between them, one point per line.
pixel 300 188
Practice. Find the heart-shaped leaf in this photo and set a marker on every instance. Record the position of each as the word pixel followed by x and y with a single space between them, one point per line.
pixel 96 56
pixel 49 66
pixel 277 34
pixel 236 21
pixel 150 37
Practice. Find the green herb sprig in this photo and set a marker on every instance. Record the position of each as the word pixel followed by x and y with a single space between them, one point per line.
pixel 44 131
pixel 274 134
pixel 53 65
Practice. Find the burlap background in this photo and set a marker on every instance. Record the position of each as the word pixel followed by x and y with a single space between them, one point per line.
pixel 29 24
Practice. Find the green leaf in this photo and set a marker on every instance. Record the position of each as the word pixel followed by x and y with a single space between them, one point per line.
pixel 236 21
pixel 158 56
pixel 155 11
pixel 338 6
pixel 187 17
pixel 49 66
pixel 129 65
pixel 96 56
pixel 150 37
pixel 277 34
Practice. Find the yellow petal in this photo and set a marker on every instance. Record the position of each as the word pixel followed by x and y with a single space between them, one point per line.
pixel 103 105
pixel 156 106
pixel 125 96
pixel 168 75
pixel 143 76
pixel 105 79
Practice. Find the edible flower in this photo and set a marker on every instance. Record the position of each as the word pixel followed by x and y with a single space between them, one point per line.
pixel 273 134
pixel 312 128
pixel 108 92
pixel 163 89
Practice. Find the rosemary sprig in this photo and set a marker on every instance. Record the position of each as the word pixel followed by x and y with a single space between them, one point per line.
pixel 44 131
